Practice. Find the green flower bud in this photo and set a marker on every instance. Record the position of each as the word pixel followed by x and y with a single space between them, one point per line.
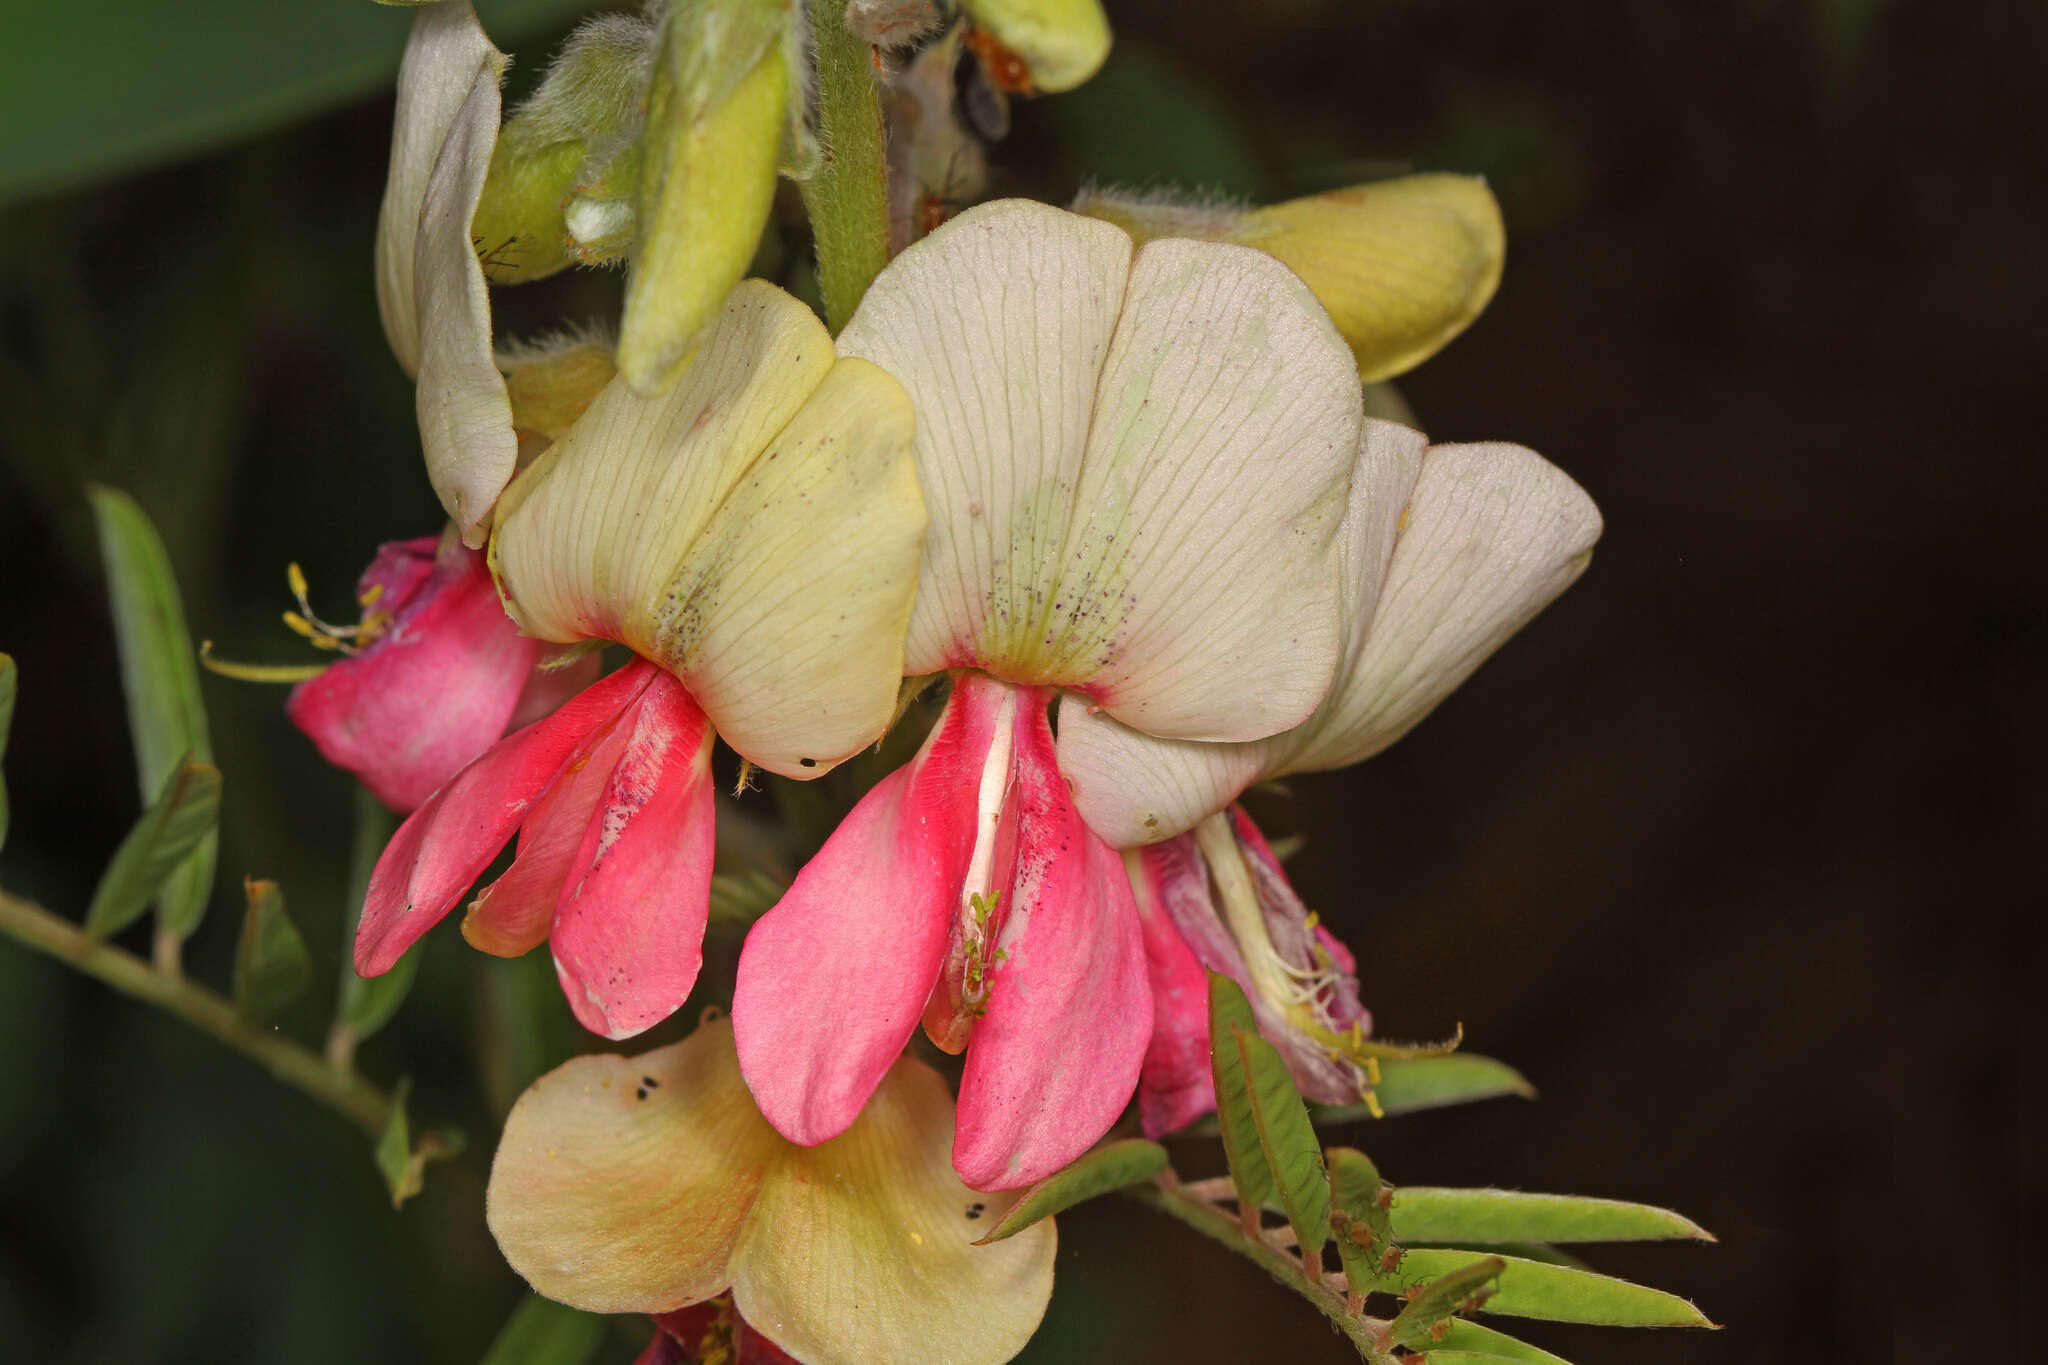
pixel 565 147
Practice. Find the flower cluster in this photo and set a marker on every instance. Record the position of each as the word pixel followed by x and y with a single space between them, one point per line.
pixel 1108 473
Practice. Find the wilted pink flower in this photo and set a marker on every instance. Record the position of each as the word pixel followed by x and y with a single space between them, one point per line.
pixel 1135 463
pixel 436 672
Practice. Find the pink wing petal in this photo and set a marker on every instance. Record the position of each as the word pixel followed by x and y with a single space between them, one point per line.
pixel 833 979
pixel 447 843
pixel 628 936
pixel 432 692
pixel 514 914
pixel 1175 1086
pixel 1056 1057
pixel 551 684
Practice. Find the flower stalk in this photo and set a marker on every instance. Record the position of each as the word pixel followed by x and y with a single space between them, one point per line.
pixel 848 196
pixel 1168 1196
pixel 300 1067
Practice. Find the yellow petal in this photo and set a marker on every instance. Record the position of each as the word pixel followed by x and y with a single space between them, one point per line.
pixel 589 534
pixel 858 1251
pixel 787 618
pixel 615 1196
pixel 708 178
pixel 1402 265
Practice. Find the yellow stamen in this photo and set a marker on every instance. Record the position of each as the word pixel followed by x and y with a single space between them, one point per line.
pixel 257 673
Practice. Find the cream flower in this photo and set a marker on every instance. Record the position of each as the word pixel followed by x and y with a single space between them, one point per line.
pixel 642 1184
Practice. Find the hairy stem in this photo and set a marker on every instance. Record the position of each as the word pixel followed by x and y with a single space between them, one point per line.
pixel 1169 1197
pixel 209 1012
pixel 848 197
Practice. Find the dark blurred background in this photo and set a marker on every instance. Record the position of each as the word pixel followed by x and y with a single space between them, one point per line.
pixel 1719 852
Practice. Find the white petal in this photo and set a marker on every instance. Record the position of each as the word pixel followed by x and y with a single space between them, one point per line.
pixel 465 413
pixel 589 535
pixel 786 620
pixel 997 326
pixel 1134 789
pixel 859 1251
pixel 443 57
pixel 1198 588
pixel 1493 533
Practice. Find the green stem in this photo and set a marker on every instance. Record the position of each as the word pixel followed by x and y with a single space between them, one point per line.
pixel 848 197
pixel 1166 1196
pixel 297 1066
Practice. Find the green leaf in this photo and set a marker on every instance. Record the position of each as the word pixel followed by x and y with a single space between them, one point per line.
pixel 543 1332
pixel 738 899
pixel 1438 1356
pixel 160 674
pixel 1480 1342
pixel 1407 1085
pixel 1289 1142
pixel 1490 1217
pixel 7 686
pixel 1532 1289
pixel 272 965
pixel 97 89
pixel 1229 1014
pixel 403 1165
pixel 1463 1289
pixel 368 1002
pixel 1359 1222
pixel 1109 1167
pixel 180 819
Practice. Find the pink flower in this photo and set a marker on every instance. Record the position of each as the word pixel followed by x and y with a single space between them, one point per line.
pixel 752 535
pixel 437 674
pixel 611 796
pixel 1135 463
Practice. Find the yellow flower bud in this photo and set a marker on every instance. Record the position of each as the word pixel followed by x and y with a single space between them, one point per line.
pixel 1030 47
pixel 1402 266
pixel 717 112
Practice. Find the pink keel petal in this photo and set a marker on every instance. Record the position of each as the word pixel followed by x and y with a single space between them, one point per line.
pixel 1056 1057
pixel 433 691
pixel 833 979
pixel 1175 1086
pixel 444 845
pixel 550 687
pixel 628 936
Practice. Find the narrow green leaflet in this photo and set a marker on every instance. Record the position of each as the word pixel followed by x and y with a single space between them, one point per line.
pixel 1464 1289
pixel 1438 1356
pixel 1532 1289
pixel 543 1332
pixel 1490 1217
pixel 1359 1222
pixel 1479 1342
pixel 1410 1084
pixel 403 1165
pixel 272 965
pixel 160 674
pixel 180 819
pixel 7 685
pixel 1109 1167
pixel 1289 1142
pixel 1229 1014
pixel 368 1002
